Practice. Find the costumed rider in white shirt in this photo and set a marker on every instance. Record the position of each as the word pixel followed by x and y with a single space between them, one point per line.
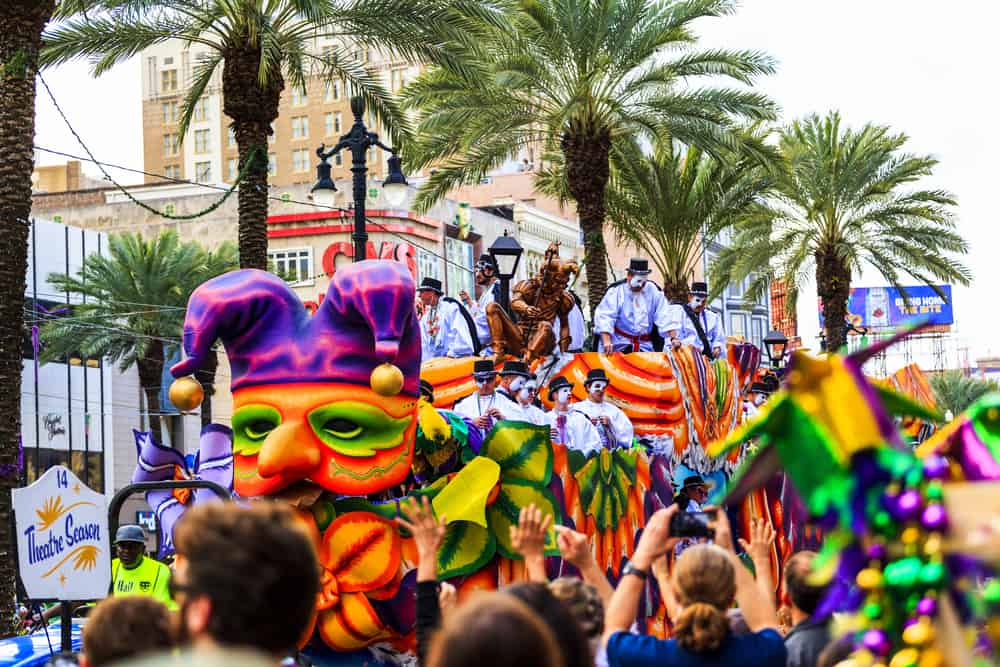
pixel 486 277
pixel 513 375
pixel 570 427
pixel 630 309
pixel 486 406
pixel 691 497
pixel 527 411
pixel 614 428
pixel 446 329
pixel 755 399
pixel 699 327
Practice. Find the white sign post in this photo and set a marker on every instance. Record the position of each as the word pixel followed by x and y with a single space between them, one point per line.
pixel 63 546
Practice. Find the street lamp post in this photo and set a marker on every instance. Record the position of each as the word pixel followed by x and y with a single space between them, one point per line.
pixel 506 253
pixel 358 140
pixel 775 342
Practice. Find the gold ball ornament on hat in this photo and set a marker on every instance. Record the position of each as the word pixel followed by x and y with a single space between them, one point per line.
pixel 387 380
pixel 186 393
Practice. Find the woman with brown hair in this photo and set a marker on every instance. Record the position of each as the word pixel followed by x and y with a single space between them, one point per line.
pixel 705 581
pixel 494 630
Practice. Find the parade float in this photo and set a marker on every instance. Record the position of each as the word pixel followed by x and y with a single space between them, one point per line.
pixel 328 417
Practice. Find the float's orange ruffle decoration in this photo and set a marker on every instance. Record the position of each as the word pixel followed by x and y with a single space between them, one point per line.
pixel 360 558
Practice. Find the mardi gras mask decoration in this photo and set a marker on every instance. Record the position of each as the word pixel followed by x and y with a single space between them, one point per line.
pixel 697 301
pixel 562 396
pixel 330 398
pixel 597 387
pixel 516 384
pixel 637 282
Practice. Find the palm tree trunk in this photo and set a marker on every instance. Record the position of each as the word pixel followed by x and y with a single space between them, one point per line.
pixel 21 24
pixel 206 376
pixel 252 107
pixel 150 376
pixel 833 284
pixel 587 171
pixel 676 292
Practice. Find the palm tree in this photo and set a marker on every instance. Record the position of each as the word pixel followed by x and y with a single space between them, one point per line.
pixel 160 272
pixel 669 202
pixel 843 202
pixel 21 25
pixel 955 391
pixel 574 77
pixel 259 47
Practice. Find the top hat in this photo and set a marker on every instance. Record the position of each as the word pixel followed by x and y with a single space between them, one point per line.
pixel 595 374
pixel 693 481
pixel 365 321
pixel 432 284
pixel 515 368
pixel 699 289
pixel 483 367
pixel 759 388
pixel 559 383
pixel 426 390
pixel 638 266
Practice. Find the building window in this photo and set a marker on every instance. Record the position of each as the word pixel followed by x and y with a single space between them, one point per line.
pixel 338 121
pixel 428 265
pixel 300 127
pixel 169 112
pixel 172 171
pixel 171 144
pixel 328 124
pixel 168 81
pixel 230 137
pixel 201 109
pixel 202 138
pixel 738 325
pixel 233 169
pixel 338 160
pixel 271 137
pixel 299 97
pixel 300 160
pixel 757 337
pixel 272 164
pixel 203 172
pixel 332 91
pixel 294 265
pixel 460 256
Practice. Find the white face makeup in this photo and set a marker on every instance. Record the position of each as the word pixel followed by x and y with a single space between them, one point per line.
pixel 527 392
pixel 482 381
pixel 516 384
pixel 562 395
pixel 597 387
pixel 758 399
pixel 697 301
pixel 637 282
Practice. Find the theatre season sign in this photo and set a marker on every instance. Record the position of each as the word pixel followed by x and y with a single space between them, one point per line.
pixel 63 547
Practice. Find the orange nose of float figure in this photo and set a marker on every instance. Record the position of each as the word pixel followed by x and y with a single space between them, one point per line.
pixel 290 449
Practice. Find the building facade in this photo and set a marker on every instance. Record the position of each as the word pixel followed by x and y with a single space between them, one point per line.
pixel 318 114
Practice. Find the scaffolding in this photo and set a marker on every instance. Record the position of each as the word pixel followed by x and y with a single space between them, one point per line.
pixel 933 351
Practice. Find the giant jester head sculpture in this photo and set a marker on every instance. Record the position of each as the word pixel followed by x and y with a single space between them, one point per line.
pixel 329 398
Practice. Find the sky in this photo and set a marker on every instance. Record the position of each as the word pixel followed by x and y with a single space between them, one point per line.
pixel 922 67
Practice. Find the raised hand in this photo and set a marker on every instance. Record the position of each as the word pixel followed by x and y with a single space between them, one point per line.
pixel 761 541
pixel 573 546
pixel 655 540
pixel 428 533
pixel 528 539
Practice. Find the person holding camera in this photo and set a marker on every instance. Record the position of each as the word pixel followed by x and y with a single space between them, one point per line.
pixel 705 581
pixel 690 498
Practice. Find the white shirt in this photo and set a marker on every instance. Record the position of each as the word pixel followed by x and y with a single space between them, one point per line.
pixel 621 426
pixel 578 434
pixel 634 313
pixel 474 405
pixel 478 312
pixel 710 322
pixel 577 329
pixel 529 413
pixel 453 338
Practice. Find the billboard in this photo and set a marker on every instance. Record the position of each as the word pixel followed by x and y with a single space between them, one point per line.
pixel 886 307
